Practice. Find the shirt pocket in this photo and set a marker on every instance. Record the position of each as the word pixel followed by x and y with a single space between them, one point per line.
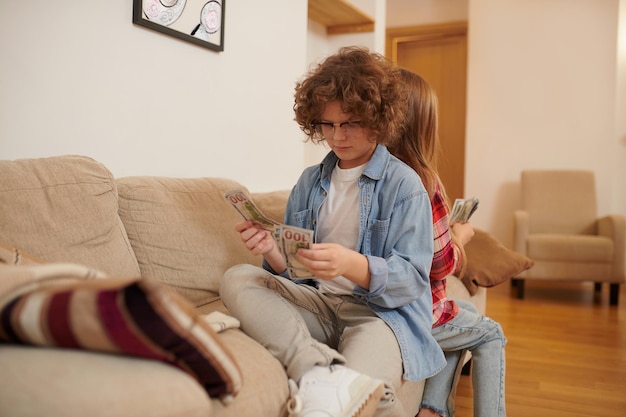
pixel 301 219
pixel 377 231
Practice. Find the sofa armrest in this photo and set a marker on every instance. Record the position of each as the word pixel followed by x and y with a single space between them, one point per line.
pixel 614 227
pixel 521 226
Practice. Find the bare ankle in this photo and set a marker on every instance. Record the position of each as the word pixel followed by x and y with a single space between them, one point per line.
pixel 427 412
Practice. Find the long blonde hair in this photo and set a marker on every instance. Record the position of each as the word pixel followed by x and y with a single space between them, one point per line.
pixel 418 144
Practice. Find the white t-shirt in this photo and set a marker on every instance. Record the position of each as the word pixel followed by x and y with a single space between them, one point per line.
pixel 339 220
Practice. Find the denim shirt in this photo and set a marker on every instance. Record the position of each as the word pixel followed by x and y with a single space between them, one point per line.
pixel 396 236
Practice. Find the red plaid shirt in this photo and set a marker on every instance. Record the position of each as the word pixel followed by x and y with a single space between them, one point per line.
pixel 445 261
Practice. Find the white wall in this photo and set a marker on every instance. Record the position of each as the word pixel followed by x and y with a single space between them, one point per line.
pixel 546 88
pixel 542 84
pixel 619 186
pixel 78 77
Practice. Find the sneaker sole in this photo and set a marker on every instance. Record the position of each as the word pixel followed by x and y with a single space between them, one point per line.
pixel 372 393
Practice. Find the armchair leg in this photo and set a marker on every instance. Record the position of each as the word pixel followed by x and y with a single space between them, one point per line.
pixel 518 283
pixel 597 286
pixel 613 294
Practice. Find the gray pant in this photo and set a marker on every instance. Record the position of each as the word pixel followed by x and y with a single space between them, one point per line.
pixel 302 327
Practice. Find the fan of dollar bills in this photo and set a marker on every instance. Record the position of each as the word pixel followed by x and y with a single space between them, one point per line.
pixel 463 209
pixel 288 238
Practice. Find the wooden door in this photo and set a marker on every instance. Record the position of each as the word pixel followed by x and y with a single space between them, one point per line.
pixel 439 54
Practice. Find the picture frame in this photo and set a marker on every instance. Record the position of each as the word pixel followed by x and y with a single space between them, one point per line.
pixel 200 22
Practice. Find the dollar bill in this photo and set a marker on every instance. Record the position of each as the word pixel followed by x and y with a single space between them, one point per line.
pixel 463 209
pixel 246 207
pixel 288 239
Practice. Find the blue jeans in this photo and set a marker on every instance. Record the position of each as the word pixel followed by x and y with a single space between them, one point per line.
pixel 469 330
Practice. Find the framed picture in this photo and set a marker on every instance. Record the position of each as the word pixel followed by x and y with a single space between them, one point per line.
pixel 197 21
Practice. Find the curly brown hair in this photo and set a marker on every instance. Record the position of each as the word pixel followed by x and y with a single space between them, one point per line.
pixel 365 83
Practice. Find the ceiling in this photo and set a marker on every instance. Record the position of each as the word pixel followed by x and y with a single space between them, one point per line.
pixel 414 12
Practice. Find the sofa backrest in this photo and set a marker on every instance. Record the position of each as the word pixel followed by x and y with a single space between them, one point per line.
pixel 179 231
pixel 64 209
pixel 182 230
pixel 560 201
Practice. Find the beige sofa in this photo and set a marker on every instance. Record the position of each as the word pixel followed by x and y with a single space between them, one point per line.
pixel 176 231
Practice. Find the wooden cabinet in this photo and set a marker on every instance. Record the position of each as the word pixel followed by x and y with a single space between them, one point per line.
pixel 339 16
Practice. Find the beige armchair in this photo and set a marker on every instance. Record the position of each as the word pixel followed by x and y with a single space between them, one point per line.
pixel 558 228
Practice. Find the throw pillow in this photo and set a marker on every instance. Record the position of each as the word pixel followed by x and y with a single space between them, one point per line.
pixel 136 317
pixel 490 263
pixel 21 272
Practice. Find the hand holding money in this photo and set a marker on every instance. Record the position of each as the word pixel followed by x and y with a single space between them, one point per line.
pixel 463 209
pixel 249 210
pixel 256 239
pixel 288 239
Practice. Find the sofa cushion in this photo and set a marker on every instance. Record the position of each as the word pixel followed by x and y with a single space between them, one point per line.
pixel 490 263
pixel 40 381
pixel 64 209
pixel 265 391
pixel 183 232
pixel 74 383
pixel 136 317
pixel 556 248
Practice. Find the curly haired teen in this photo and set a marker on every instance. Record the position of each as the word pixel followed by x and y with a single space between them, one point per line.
pixel 364 328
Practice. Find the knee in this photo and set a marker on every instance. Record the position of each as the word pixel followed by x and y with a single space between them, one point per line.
pixel 496 332
pixel 500 332
pixel 234 279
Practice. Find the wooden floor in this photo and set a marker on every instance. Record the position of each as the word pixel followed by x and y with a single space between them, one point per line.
pixel 566 351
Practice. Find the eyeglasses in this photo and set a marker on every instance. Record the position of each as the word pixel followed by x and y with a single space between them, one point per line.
pixel 327 129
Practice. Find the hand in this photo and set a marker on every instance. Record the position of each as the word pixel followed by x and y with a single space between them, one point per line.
pixel 258 240
pixel 463 232
pixel 324 260
pixel 330 260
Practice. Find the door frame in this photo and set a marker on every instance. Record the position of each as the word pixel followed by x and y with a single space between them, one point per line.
pixel 394 36
pixel 451 164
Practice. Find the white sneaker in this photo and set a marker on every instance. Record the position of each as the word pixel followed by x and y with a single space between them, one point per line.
pixel 335 391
